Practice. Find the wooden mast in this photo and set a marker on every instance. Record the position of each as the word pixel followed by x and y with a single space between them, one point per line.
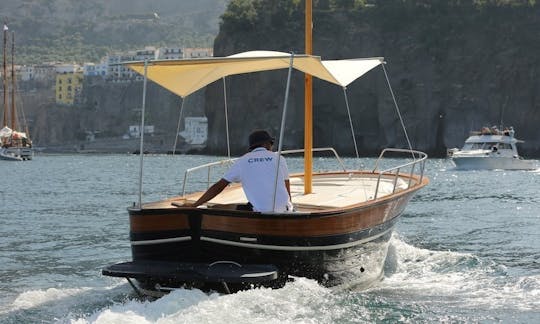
pixel 308 104
pixel 13 113
pixel 4 77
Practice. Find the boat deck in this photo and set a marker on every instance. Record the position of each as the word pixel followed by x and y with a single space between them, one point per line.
pixel 328 191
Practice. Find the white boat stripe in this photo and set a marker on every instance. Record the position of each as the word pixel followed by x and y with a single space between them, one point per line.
pixel 293 248
pixel 161 241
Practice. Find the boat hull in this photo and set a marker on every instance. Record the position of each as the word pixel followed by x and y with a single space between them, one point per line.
pixel 340 247
pixel 16 153
pixel 493 163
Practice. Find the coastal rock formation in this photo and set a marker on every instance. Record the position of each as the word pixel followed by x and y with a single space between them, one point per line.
pixel 453 69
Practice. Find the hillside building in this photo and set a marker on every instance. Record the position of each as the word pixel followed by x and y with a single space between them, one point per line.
pixel 39 72
pixel 197 52
pixel 68 87
pixel 92 69
pixel 171 53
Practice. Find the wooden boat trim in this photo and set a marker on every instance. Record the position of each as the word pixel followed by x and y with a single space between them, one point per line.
pixel 160 222
pixel 329 222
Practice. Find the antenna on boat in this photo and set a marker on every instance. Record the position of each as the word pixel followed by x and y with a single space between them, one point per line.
pixel 501 126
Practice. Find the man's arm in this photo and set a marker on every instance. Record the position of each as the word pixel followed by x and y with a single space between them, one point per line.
pixel 288 186
pixel 213 191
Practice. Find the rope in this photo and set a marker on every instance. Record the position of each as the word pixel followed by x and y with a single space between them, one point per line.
pixel 354 139
pixel 350 122
pixel 178 126
pixel 398 112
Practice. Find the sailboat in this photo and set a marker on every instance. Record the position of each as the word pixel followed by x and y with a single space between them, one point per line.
pixel 15 145
pixel 338 234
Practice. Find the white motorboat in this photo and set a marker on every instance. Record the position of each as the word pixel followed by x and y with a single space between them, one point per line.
pixel 491 149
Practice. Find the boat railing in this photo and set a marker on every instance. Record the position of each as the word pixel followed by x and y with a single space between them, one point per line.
pixel 221 163
pixel 319 149
pixel 209 167
pixel 418 159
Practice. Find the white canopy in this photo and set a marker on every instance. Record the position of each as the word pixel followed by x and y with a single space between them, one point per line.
pixel 346 71
pixel 184 77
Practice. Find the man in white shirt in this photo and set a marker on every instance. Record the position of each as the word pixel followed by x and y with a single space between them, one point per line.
pixel 257 171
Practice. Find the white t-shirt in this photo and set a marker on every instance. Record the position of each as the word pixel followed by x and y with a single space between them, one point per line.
pixel 256 171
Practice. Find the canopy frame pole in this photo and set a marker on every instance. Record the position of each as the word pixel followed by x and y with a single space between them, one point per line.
pixel 282 131
pixel 350 122
pixel 141 147
pixel 398 112
pixel 178 125
pixel 226 118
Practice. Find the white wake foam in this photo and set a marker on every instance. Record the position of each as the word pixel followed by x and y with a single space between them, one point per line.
pixel 445 276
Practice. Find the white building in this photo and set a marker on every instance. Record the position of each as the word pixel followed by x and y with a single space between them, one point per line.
pixel 119 72
pixel 148 53
pixel 67 68
pixel 197 52
pixel 135 130
pixel 171 53
pixel 195 130
pixel 92 69
pixel 26 73
pixel 45 71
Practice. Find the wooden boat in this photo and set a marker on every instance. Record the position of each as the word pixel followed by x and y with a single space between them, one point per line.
pixel 338 234
pixel 14 145
pixel 491 149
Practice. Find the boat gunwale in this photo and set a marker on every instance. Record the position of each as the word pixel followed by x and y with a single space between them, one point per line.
pixel 333 211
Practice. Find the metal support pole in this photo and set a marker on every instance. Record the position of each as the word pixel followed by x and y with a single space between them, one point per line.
pixel 141 147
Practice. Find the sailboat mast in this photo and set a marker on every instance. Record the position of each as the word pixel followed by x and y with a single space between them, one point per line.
pixel 4 76
pixel 308 104
pixel 13 114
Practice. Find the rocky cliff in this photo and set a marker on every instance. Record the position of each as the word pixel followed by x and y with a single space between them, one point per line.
pixel 106 110
pixel 453 69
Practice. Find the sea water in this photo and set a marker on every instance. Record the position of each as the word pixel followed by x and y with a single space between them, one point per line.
pixel 466 250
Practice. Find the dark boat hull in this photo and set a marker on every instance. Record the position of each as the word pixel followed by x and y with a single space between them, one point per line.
pixel 334 247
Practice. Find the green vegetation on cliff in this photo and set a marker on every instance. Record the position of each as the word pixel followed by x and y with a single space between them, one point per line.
pixel 81 31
